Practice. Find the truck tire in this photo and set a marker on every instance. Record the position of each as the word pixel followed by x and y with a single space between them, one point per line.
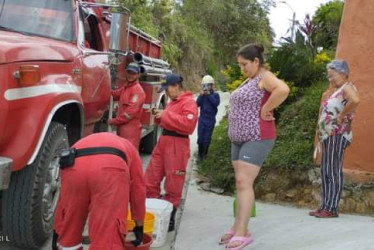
pixel 149 141
pixel 29 203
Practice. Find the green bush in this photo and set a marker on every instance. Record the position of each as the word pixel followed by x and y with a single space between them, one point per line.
pixel 217 166
pixel 298 62
pixel 296 128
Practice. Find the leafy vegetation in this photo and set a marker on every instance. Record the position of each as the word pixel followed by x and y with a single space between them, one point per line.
pixel 217 166
pixel 293 147
pixel 327 22
pixel 296 130
pixel 202 36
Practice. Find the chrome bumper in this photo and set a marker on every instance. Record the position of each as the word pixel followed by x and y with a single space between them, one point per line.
pixel 5 172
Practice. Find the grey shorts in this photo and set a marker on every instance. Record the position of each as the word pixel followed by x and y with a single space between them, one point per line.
pixel 253 152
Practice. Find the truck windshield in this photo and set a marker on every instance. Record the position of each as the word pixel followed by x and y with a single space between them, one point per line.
pixel 47 18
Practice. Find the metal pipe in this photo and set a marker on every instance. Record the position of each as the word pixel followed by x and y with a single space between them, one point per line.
pixel 150 61
pixel 119 6
pixel 149 70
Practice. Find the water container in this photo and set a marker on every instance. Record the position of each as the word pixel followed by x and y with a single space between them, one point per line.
pixel 147 242
pixel 253 211
pixel 149 220
pixel 162 210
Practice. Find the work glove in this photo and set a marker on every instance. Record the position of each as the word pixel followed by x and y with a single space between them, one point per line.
pixel 138 231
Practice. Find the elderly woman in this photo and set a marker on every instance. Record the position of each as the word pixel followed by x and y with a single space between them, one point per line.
pixel 335 134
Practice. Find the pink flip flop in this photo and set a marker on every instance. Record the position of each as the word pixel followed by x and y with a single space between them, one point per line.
pixel 230 233
pixel 245 241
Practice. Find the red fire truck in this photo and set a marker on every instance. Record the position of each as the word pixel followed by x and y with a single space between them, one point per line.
pixel 58 62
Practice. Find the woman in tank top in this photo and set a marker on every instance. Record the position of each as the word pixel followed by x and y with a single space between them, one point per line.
pixel 334 134
pixel 252 134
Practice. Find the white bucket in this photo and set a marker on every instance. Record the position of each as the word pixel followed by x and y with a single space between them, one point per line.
pixel 162 210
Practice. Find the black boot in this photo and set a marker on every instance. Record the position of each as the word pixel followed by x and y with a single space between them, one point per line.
pixel 204 151
pixel 172 220
pixel 200 152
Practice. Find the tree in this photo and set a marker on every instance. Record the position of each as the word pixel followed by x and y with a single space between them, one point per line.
pixel 293 61
pixel 327 22
pixel 231 23
pixel 202 36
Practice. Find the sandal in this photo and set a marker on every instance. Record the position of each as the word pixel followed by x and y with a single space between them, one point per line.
pixel 245 241
pixel 230 234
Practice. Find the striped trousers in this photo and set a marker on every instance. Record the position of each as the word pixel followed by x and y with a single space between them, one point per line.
pixel 332 171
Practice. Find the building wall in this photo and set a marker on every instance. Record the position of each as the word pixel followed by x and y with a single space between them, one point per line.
pixel 356 45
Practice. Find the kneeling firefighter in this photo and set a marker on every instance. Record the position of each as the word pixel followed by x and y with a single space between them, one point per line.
pixel 170 156
pixel 208 101
pixel 100 175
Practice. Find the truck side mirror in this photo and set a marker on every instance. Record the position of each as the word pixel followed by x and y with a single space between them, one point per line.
pixel 118 32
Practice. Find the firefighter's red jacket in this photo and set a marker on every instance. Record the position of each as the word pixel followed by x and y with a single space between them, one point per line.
pixel 180 115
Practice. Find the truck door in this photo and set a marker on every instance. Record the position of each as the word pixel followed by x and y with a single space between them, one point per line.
pixel 95 70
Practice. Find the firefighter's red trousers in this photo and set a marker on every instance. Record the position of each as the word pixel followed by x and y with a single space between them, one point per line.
pixel 131 131
pixel 169 160
pixel 96 186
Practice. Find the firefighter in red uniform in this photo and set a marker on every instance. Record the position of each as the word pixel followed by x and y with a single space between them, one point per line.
pixel 130 98
pixel 171 154
pixel 104 177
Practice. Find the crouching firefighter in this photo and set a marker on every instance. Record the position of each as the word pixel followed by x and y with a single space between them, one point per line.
pixel 100 175
pixel 170 156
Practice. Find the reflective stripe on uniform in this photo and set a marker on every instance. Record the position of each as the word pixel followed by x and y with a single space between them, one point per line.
pixel 76 247
pixel 134 98
pixel 127 115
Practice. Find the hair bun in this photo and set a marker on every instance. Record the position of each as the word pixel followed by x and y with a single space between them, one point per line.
pixel 260 48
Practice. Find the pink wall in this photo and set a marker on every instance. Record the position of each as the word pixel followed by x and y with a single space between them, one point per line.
pixel 356 45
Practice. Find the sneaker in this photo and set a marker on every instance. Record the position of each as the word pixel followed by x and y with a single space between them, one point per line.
pixel 326 214
pixel 314 212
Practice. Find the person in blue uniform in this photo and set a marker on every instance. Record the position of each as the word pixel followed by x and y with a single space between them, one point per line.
pixel 208 102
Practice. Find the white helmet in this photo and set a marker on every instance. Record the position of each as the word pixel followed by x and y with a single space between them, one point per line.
pixel 207 79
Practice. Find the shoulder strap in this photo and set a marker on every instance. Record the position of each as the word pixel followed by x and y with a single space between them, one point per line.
pixel 338 90
pixel 100 150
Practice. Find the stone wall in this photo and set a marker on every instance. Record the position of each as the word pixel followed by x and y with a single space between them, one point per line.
pixel 301 188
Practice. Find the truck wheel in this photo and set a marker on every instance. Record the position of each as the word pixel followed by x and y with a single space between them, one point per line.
pixel 148 143
pixel 29 203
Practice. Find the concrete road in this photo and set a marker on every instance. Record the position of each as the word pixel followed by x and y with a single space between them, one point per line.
pixel 207 216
